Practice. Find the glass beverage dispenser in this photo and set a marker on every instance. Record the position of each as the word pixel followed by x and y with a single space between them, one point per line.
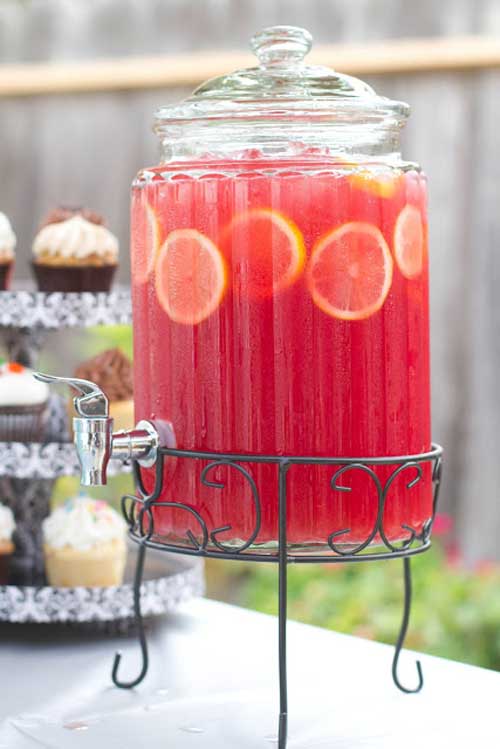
pixel 280 303
pixel 280 296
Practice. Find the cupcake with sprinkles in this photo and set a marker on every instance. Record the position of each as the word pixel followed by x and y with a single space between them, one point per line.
pixel 84 544
pixel 74 251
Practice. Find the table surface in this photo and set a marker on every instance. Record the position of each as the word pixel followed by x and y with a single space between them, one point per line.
pixel 213 683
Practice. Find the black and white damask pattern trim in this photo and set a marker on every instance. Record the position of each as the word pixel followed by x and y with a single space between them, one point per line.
pixel 45 460
pixel 80 605
pixel 32 309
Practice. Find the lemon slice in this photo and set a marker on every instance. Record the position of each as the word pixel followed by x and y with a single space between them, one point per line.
pixel 409 242
pixel 145 240
pixel 381 184
pixel 190 276
pixel 350 271
pixel 266 251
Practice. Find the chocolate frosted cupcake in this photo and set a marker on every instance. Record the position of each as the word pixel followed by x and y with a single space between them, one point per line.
pixel 23 405
pixel 73 251
pixel 7 247
pixel 111 370
pixel 7 527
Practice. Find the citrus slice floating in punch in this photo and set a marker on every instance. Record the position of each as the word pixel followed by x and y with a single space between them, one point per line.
pixel 381 184
pixel 145 240
pixel 266 251
pixel 191 276
pixel 409 241
pixel 350 271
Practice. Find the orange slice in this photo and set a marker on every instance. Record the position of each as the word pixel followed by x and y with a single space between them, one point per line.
pixel 191 276
pixel 145 240
pixel 409 240
pixel 350 271
pixel 382 184
pixel 267 252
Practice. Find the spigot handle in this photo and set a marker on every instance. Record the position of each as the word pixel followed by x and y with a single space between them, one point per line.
pixel 91 403
pixel 93 433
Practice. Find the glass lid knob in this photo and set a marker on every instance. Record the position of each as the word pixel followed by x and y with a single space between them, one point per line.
pixel 281 46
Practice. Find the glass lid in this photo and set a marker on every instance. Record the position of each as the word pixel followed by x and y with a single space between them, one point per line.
pixel 283 86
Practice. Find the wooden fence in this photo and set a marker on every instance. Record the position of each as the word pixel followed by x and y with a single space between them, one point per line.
pixel 394 56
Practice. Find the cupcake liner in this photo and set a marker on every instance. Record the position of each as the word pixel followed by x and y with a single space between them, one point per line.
pixel 73 278
pixel 100 566
pixel 23 423
pixel 5 568
pixel 5 274
pixel 6 551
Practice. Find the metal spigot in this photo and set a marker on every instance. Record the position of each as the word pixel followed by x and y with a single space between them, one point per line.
pixel 94 439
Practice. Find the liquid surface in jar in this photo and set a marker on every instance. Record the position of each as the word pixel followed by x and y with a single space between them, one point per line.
pixel 284 311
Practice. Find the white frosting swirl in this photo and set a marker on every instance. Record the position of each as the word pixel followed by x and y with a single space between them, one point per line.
pixel 7 238
pixel 18 387
pixel 76 238
pixel 7 523
pixel 82 523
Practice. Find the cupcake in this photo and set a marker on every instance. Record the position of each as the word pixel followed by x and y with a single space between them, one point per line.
pixel 73 251
pixel 111 370
pixel 7 527
pixel 23 405
pixel 7 247
pixel 84 544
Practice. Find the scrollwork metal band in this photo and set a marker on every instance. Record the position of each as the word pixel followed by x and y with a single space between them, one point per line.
pixel 138 510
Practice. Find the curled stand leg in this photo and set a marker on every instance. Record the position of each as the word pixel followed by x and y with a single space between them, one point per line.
pixel 402 635
pixel 282 612
pixel 140 629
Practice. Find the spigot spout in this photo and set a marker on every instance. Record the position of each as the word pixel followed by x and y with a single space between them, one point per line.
pixel 93 433
pixel 93 439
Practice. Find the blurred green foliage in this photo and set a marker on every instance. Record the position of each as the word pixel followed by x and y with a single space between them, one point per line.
pixel 455 611
pixel 104 337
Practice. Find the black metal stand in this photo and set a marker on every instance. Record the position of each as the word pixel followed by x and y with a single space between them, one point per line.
pixel 138 511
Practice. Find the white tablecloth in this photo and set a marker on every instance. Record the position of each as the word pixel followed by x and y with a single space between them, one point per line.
pixel 213 684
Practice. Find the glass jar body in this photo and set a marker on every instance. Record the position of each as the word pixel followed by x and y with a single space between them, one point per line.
pixel 314 342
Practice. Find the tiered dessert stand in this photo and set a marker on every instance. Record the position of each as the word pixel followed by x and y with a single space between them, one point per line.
pixel 28 472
